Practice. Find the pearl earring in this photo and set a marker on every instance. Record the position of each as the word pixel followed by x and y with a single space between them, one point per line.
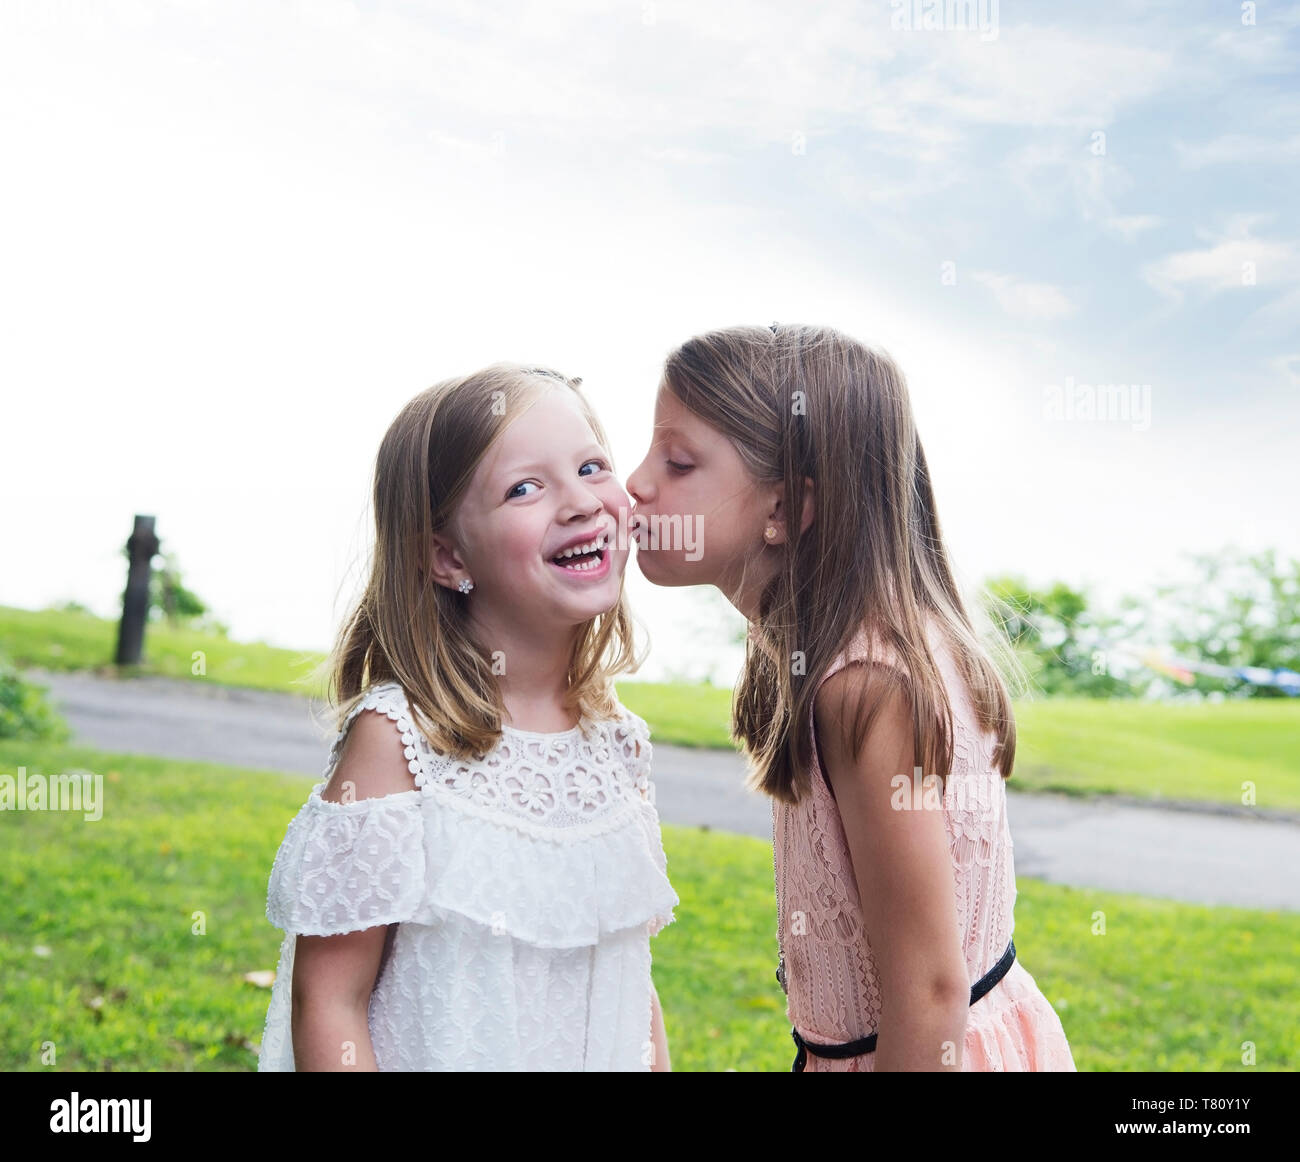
pixel 465 585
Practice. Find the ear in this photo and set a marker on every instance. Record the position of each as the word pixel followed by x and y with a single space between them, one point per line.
pixel 444 562
pixel 776 517
pixel 809 508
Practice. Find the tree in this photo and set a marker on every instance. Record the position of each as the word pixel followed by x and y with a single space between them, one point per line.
pixel 169 598
pixel 1235 609
pixel 1063 645
pixel 171 601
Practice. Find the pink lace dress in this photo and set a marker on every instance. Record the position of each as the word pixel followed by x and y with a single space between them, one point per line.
pixel 833 990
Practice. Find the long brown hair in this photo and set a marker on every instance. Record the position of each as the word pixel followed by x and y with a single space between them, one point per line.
pixel 408 628
pixel 801 401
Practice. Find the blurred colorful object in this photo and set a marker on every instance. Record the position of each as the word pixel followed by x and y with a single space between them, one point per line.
pixel 1185 670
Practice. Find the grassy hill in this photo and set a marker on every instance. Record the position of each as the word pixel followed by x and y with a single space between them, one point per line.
pixel 1207 753
pixel 66 640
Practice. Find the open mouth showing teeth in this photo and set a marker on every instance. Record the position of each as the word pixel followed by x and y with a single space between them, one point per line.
pixel 583 557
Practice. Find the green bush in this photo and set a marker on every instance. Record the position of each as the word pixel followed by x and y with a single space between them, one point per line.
pixel 25 711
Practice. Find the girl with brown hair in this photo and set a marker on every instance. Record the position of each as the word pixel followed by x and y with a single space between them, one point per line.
pixel 870 711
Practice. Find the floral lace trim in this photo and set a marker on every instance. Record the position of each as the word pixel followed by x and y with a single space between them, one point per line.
pixel 554 787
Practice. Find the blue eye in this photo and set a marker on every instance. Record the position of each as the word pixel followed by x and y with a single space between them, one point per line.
pixel 511 494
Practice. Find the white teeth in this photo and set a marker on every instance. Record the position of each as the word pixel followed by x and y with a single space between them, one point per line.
pixel 599 543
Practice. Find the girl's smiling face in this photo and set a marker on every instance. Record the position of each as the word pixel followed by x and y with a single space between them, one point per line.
pixel 544 483
pixel 692 472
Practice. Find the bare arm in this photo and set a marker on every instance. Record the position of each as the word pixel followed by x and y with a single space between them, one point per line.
pixel 903 866
pixel 332 979
pixel 660 1062
pixel 333 976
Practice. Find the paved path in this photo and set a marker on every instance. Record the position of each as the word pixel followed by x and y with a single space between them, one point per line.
pixel 1203 857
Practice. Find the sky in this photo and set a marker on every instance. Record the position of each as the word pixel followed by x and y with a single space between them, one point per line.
pixel 235 238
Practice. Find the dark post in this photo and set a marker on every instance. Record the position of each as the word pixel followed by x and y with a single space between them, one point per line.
pixel 142 546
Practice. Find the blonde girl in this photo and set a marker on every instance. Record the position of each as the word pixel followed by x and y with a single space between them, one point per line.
pixel 474 883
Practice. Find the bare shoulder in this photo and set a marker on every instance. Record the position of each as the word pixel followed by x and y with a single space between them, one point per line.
pixel 373 762
pixel 878 692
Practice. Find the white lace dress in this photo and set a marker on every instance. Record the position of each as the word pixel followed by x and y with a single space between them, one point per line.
pixel 525 887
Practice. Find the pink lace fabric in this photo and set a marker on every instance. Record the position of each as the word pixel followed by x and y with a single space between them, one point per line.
pixel 834 994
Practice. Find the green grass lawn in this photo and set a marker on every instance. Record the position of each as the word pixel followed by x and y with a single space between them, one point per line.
pixel 99 953
pixel 1081 746
pixel 1162 750
pixel 62 640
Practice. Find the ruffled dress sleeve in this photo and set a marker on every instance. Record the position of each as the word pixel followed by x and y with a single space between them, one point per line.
pixel 342 867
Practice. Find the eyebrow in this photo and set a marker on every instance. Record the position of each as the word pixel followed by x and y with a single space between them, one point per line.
pixel 533 467
pixel 676 433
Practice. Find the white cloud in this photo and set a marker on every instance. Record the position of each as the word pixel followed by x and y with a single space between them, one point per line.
pixel 1287 367
pixel 1131 225
pixel 679 155
pixel 1026 300
pixel 1237 148
pixel 1277 317
pixel 1035 75
pixel 1237 259
pixel 1054 177
pixel 1260 49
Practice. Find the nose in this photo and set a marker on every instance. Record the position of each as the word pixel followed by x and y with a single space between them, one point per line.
pixel 638 485
pixel 584 501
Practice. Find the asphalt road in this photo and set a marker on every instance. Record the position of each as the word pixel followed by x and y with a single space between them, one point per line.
pixel 1205 857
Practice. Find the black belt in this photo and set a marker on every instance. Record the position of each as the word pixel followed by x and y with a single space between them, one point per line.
pixel 868 1044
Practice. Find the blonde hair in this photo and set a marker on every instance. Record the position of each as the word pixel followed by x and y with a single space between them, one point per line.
pixel 802 401
pixel 408 628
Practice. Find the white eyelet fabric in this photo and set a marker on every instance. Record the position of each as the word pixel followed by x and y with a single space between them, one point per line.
pixel 524 886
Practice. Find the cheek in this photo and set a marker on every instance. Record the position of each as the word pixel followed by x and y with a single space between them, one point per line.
pixel 690 494
pixel 614 496
pixel 514 544
pixel 721 523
